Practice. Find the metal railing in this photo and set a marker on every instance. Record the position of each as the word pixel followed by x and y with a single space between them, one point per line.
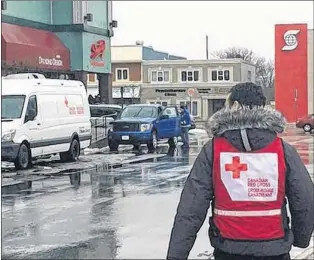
pixel 100 127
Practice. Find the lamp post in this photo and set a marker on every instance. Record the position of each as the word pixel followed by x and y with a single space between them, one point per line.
pixel 122 100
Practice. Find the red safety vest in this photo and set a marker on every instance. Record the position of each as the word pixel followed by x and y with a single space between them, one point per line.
pixel 249 189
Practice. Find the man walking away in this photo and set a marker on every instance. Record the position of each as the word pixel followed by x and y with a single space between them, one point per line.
pixel 185 126
pixel 246 172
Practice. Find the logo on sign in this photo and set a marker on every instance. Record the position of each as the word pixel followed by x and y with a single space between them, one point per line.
pixel 291 41
pixel 56 62
pixel 97 51
pixel 191 92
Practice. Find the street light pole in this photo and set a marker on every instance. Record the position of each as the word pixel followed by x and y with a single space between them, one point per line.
pixel 296 104
pixel 122 100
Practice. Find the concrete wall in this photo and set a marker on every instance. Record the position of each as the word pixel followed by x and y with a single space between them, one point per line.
pixel 38 11
pixel 310 56
pixel 245 70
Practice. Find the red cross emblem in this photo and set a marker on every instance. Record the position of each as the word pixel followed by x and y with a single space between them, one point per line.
pixel 66 102
pixel 236 167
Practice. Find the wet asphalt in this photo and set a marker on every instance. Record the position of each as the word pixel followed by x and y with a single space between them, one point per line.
pixel 123 212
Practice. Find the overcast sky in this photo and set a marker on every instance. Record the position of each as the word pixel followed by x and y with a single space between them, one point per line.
pixel 179 27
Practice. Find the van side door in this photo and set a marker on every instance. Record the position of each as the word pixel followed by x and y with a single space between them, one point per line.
pixel 32 126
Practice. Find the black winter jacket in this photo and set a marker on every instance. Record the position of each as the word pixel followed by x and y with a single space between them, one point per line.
pixel 262 126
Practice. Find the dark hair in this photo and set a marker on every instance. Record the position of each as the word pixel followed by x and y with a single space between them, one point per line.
pixel 247 94
pixel 182 107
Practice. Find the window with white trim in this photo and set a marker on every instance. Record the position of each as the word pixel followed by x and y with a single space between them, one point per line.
pixel 159 76
pixel 192 108
pixel 220 75
pixel 190 76
pixel 122 74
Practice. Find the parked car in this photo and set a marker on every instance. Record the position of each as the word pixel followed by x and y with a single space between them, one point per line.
pixel 306 122
pixel 193 125
pixel 103 114
pixel 43 117
pixel 145 124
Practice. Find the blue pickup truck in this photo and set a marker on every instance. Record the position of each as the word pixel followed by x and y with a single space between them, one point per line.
pixel 145 124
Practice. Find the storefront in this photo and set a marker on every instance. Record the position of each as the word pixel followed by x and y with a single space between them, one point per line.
pixel 202 102
pixel 26 49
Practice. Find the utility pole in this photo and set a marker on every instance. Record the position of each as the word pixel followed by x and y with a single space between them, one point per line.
pixel 206 47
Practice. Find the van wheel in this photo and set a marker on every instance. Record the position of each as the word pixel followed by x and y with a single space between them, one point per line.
pixel 73 154
pixel 153 143
pixel 173 141
pixel 23 159
pixel 307 128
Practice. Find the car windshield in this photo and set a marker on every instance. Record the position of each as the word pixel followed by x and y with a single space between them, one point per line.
pixel 12 106
pixel 140 112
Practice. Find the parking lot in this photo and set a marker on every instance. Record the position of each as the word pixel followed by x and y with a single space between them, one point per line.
pixel 107 206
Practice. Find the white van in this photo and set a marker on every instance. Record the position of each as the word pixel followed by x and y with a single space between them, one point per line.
pixel 41 117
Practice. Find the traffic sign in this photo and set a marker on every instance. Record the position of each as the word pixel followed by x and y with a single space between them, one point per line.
pixel 191 92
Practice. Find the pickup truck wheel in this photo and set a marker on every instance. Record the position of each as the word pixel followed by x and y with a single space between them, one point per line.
pixel 307 128
pixel 23 159
pixel 113 146
pixel 173 141
pixel 153 143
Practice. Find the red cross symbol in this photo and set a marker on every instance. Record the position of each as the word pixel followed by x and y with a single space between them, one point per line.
pixel 66 102
pixel 236 167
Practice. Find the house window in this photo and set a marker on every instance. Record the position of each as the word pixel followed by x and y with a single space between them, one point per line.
pixel 249 76
pixel 160 76
pixel 220 75
pixel 91 78
pixel 190 76
pixel 122 74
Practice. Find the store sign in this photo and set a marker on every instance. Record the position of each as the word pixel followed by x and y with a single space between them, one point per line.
pixel 170 92
pixel 55 62
pixel 128 92
pixel 97 53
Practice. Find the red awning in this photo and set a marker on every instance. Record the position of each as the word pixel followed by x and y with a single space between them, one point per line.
pixel 33 48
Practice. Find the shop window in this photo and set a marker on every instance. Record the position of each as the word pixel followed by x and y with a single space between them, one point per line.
pixel 122 74
pixel 190 76
pixel 160 76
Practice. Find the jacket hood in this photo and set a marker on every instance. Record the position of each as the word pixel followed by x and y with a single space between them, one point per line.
pixel 262 118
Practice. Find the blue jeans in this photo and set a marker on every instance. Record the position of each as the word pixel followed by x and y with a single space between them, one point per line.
pixel 185 136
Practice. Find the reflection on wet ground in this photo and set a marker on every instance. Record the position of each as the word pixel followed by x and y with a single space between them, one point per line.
pixel 124 212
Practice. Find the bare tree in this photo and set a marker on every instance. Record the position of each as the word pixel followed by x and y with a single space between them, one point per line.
pixel 264 68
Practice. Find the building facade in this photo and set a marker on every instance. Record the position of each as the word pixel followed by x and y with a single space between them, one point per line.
pixel 201 85
pixel 127 76
pixel 294 70
pixel 59 39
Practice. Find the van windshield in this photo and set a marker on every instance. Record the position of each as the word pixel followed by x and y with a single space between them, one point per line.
pixel 12 106
pixel 140 112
